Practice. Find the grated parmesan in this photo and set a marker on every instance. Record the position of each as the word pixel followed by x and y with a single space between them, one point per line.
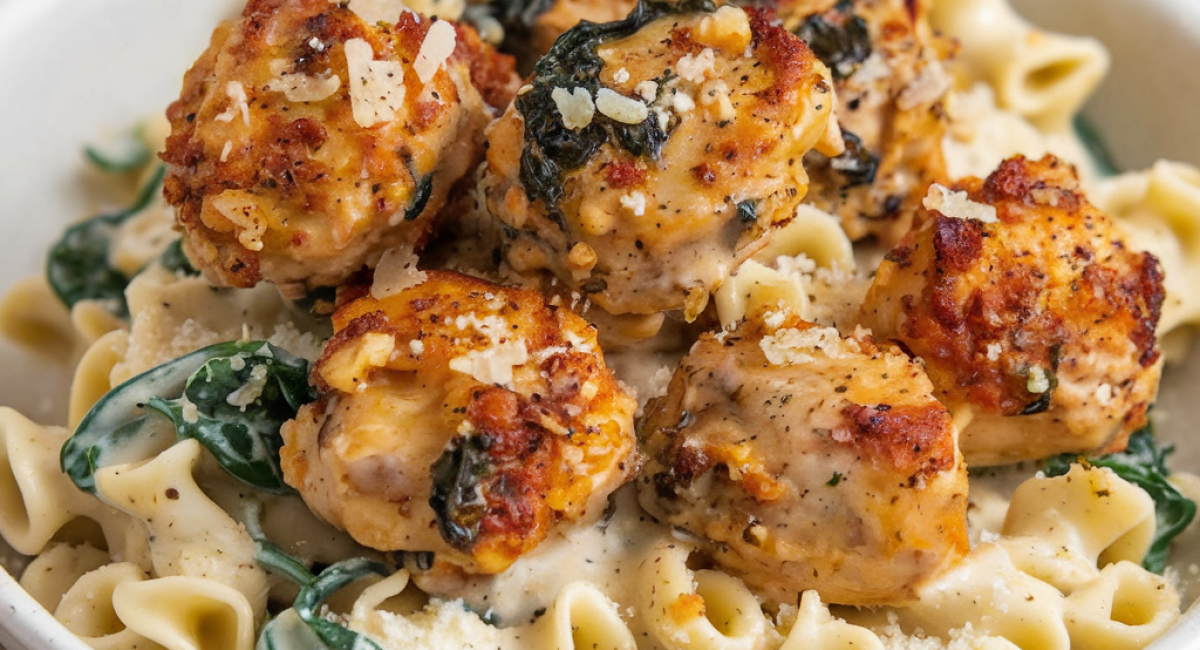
pixel 435 49
pixel 248 393
pixel 298 87
pixel 792 346
pixel 695 67
pixel 494 364
pixel 575 106
pixel 635 202
pixel 242 211
pixel 237 96
pixel 376 87
pixel 377 11
pixel 397 270
pixel 956 205
pixel 621 108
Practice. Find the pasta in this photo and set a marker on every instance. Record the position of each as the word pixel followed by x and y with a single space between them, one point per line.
pixel 609 361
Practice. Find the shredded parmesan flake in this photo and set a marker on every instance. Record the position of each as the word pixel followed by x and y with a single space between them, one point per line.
pixel 248 393
pixel 956 205
pixel 635 202
pixel 621 108
pixel 242 211
pixel 494 364
pixel 575 106
pixel 397 270
pixel 621 76
pixel 376 87
pixel 299 87
pixel 377 11
pixel 793 346
pixel 435 49
pixel 238 104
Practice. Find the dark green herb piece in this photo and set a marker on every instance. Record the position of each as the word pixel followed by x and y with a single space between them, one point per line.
pixel 834 480
pixel 266 384
pixel 173 259
pixel 127 154
pixel 1097 147
pixel 455 498
pixel 551 149
pixel 747 211
pixel 77 267
pixel 420 198
pixel 839 38
pixel 1144 464
pixel 301 627
pixel 856 164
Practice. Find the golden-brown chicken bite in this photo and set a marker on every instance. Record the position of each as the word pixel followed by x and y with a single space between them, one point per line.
pixel 807 460
pixel 463 418
pixel 1034 319
pixel 650 156
pixel 308 140
pixel 890 82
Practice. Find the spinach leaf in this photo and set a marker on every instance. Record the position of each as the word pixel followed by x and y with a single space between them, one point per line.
pixel 839 38
pixel 231 397
pixel 856 164
pixel 551 149
pixel 302 627
pixel 126 155
pixel 78 267
pixel 1144 464
pixel 173 259
pixel 1096 146
pixel 456 499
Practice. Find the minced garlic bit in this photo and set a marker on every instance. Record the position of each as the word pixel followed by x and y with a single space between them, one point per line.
pixel 956 205
pixel 435 49
pixel 575 106
pixel 1039 380
pixel 635 202
pixel 378 11
pixel 792 346
pixel 376 87
pixel 238 104
pixel 299 87
pixel 621 108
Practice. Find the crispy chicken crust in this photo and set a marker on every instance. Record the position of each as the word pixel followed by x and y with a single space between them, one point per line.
pixel 739 100
pixel 276 170
pixel 890 82
pixel 1040 324
pixel 808 461
pixel 463 418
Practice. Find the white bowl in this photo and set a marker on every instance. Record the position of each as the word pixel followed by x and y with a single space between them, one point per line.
pixel 72 69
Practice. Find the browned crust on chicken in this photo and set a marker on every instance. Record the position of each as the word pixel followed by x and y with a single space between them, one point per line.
pixel 640 235
pixel 834 470
pixel 890 107
pixel 1051 293
pixel 289 187
pixel 421 443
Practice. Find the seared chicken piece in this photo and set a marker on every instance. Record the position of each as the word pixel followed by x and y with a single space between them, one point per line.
pixel 890 82
pixel 1030 312
pixel 808 461
pixel 650 156
pixel 463 418
pixel 308 140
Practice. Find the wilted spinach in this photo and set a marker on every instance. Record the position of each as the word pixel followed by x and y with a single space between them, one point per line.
pixel 856 164
pixel 231 397
pixel 1143 463
pixel 301 627
pixel 125 155
pixel 78 267
pixel 839 38
pixel 551 149
pixel 456 499
pixel 173 259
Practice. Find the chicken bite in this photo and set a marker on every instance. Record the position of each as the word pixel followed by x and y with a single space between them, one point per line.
pixel 463 418
pixel 1034 320
pixel 890 82
pixel 308 140
pixel 805 460
pixel 650 156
